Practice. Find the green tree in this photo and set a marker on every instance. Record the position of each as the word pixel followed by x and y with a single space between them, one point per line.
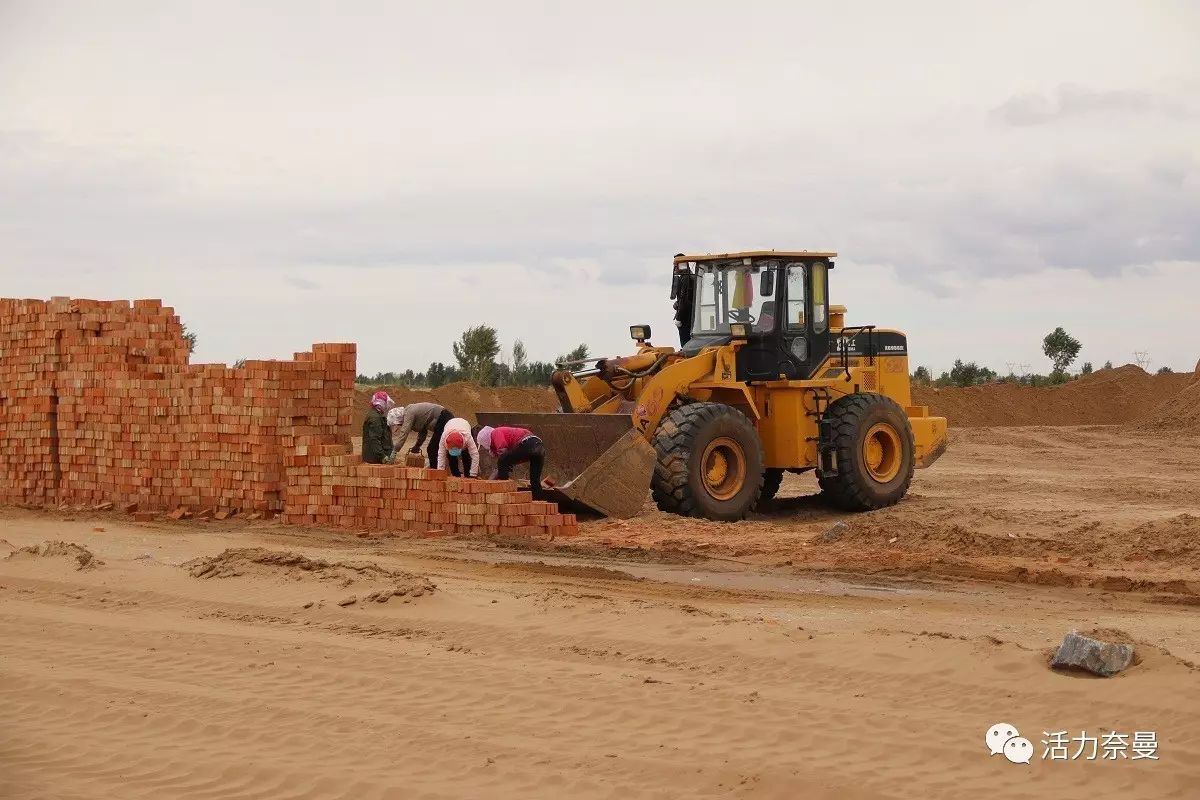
pixel 190 338
pixel 520 363
pixel 241 362
pixel 970 374
pixel 1165 371
pixel 1107 365
pixel 1061 348
pixel 922 375
pixel 476 352
pixel 520 358
pixel 538 374
pixel 578 354
pixel 437 374
pixel 1086 369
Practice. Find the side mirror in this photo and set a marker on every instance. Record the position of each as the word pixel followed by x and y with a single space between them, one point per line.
pixel 675 285
pixel 766 283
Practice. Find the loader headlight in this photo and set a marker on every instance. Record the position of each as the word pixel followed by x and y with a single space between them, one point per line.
pixel 739 330
pixel 639 333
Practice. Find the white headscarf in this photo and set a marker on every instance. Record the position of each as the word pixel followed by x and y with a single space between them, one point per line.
pixel 484 439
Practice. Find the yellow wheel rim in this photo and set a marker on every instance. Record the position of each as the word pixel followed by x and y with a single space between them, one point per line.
pixel 882 452
pixel 724 468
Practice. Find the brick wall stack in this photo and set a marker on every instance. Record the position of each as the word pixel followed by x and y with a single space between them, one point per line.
pixel 329 487
pixel 98 404
pixel 30 348
pixel 204 436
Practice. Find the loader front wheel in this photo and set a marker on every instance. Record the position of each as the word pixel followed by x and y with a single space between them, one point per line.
pixel 710 463
pixel 874 447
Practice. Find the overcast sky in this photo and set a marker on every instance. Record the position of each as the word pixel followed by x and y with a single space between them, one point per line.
pixel 390 173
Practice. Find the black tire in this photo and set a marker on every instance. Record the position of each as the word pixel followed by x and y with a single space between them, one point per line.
pixel 772 478
pixel 874 444
pixel 728 488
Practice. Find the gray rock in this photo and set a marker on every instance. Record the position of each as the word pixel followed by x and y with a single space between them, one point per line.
pixel 1099 658
pixel 835 532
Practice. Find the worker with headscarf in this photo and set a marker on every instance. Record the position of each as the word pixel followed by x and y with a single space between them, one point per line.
pixel 425 419
pixel 457 451
pixel 376 439
pixel 511 446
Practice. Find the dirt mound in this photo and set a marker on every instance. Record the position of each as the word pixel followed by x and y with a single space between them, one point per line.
pixel 1175 538
pixel 1109 397
pixel 258 562
pixel 84 558
pixel 1179 413
pixel 929 535
pixel 464 399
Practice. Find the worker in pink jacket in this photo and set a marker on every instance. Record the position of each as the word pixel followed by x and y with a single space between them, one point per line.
pixel 512 446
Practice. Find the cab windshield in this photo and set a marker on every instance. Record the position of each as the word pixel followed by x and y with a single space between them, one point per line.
pixel 730 291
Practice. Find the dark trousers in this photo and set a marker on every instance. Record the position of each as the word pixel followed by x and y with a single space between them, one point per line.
pixel 530 449
pixel 453 461
pixel 432 449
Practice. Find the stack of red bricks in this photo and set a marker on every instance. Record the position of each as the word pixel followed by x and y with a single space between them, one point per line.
pixel 203 436
pixel 328 487
pixel 100 405
pixel 29 350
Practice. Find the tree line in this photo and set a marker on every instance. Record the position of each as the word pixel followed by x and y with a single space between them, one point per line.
pixel 477 359
pixel 1059 346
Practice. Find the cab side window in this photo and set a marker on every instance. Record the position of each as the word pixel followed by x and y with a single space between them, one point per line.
pixel 708 303
pixel 820 310
pixel 795 297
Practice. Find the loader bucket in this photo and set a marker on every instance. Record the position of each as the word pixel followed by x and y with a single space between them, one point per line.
pixel 597 462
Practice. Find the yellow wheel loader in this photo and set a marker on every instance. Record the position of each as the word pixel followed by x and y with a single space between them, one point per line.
pixel 768 378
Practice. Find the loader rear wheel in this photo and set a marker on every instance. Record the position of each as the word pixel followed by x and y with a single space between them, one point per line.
pixel 710 463
pixel 874 447
pixel 772 478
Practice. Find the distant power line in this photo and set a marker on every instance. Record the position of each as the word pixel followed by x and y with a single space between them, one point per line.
pixel 1142 359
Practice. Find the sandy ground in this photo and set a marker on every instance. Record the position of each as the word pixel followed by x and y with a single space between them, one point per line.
pixel 622 663
pixel 1096 506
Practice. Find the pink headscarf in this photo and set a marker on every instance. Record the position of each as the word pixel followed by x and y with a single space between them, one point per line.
pixel 380 401
pixel 484 437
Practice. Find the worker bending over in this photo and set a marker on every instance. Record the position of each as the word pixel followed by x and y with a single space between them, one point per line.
pixel 376 442
pixel 458 446
pixel 512 446
pixel 425 419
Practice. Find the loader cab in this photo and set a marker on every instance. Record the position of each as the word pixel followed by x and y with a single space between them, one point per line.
pixel 782 297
